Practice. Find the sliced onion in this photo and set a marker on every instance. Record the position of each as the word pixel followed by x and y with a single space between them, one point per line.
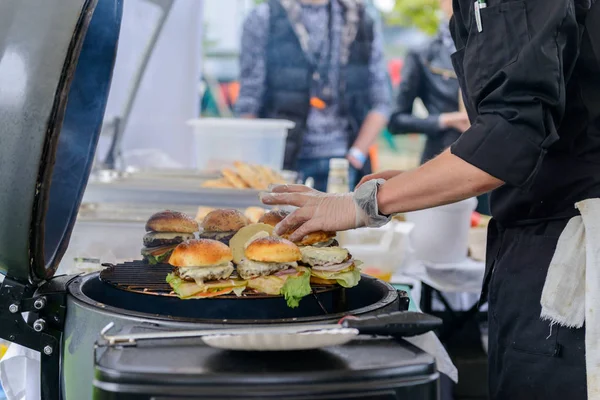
pixel 288 271
pixel 334 267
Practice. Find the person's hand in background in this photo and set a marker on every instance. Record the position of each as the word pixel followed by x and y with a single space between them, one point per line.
pixel 379 175
pixel 455 120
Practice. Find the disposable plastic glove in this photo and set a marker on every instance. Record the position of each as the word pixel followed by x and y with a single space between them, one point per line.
pixel 318 211
pixel 385 175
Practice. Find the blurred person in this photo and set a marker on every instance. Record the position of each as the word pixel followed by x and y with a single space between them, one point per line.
pixel 428 74
pixel 320 64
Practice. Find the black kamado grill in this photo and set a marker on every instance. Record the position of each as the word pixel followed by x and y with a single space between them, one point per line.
pixel 49 126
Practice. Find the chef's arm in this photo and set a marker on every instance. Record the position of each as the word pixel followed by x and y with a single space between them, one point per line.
pixel 518 91
pixel 443 180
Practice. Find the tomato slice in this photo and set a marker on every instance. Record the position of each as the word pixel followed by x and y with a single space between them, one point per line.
pixel 211 294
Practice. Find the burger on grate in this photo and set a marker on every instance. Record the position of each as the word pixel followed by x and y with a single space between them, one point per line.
pixel 203 268
pixel 165 230
pixel 270 266
pixel 329 263
pixel 222 224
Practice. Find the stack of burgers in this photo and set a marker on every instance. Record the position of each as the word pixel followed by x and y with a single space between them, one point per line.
pixel 165 230
pixel 203 268
pixel 328 262
pixel 233 255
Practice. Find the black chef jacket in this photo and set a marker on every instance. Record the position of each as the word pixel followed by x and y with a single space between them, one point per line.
pixel 531 85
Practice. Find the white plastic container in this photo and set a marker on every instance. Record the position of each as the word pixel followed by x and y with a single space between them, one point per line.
pixel 382 250
pixel 220 141
pixel 441 234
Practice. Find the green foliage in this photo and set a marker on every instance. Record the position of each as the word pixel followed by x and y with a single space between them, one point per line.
pixel 421 14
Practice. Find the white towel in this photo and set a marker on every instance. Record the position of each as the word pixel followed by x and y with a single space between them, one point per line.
pixel 571 293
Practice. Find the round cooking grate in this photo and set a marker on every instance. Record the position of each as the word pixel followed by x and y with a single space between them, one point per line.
pixel 139 277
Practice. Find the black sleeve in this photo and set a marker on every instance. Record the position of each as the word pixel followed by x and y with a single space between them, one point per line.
pixel 402 120
pixel 513 75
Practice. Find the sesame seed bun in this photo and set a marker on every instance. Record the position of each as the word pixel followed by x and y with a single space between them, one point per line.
pixel 200 253
pixel 273 249
pixel 224 221
pixel 171 221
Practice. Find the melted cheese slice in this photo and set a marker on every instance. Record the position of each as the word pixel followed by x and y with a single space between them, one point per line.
pixel 323 255
pixel 212 273
pixel 251 269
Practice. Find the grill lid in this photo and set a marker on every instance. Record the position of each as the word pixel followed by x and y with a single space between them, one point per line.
pixel 56 61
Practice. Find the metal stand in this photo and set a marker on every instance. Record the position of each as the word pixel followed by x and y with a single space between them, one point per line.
pixel 454 320
pixel 42 331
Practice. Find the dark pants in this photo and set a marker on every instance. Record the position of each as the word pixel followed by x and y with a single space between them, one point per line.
pixel 528 359
pixel 318 169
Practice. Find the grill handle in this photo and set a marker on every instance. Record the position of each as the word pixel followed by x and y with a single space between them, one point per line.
pixel 399 324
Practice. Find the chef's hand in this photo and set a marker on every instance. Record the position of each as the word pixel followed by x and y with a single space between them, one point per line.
pixel 379 175
pixel 455 120
pixel 317 211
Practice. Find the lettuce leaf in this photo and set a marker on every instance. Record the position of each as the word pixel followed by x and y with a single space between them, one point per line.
pixel 182 288
pixel 296 287
pixel 348 278
pixel 158 259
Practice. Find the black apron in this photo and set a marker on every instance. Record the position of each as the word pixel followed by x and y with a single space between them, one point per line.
pixel 528 358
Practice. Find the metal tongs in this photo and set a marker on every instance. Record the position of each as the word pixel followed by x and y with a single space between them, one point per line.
pixel 396 324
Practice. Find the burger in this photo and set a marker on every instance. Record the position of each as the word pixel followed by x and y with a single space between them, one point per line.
pixel 331 265
pixel 203 268
pixel 316 239
pixel 221 225
pixel 328 262
pixel 270 266
pixel 165 230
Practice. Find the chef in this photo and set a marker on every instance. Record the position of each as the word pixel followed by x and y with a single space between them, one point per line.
pixel 530 74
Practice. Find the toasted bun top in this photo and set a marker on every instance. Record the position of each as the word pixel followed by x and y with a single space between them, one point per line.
pixel 200 253
pixel 273 217
pixel 171 221
pixel 224 221
pixel 313 238
pixel 273 249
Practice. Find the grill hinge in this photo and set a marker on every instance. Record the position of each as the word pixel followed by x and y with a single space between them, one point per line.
pixel 43 329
